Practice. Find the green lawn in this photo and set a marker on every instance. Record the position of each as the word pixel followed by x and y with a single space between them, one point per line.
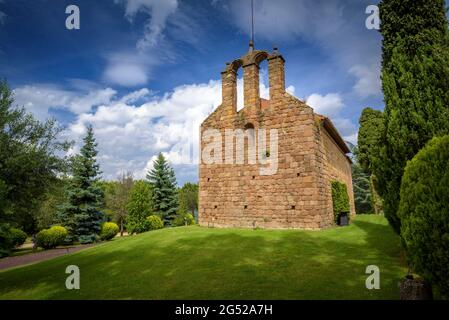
pixel 201 263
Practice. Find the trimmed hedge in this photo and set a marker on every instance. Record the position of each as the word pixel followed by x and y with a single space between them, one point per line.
pixel 340 199
pixel 18 236
pixel 51 238
pixel 184 219
pixel 153 222
pixel 424 213
pixel 109 230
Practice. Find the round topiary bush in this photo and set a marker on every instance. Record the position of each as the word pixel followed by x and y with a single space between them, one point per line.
pixel 153 223
pixel 184 219
pixel 109 230
pixel 51 238
pixel 18 236
pixel 424 212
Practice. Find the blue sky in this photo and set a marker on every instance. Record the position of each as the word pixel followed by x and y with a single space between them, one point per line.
pixel 145 73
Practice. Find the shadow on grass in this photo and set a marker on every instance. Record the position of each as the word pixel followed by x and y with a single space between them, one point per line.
pixel 200 263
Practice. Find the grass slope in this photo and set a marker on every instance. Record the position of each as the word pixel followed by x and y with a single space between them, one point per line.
pixel 201 263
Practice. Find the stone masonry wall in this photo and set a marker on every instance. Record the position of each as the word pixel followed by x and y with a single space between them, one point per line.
pixel 297 195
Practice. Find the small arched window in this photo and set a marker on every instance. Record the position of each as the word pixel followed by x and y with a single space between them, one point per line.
pixel 249 125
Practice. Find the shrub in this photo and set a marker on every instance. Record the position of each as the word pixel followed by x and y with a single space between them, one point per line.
pixel 154 223
pixel 6 240
pixel 108 230
pixel 137 227
pixel 18 236
pixel 424 212
pixel 184 219
pixel 340 199
pixel 51 238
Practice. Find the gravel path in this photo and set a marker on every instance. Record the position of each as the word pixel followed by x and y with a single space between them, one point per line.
pixel 10 262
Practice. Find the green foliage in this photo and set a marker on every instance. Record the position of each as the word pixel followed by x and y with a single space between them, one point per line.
pixel 210 263
pixel 415 69
pixel 18 236
pixel 55 197
pixel 368 143
pixel 424 212
pixel 6 240
pixel 108 230
pixel 340 199
pixel 184 219
pixel 29 161
pixel 117 200
pixel 188 198
pixel 51 238
pixel 165 195
pixel 139 207
pixel 153 223
pixel 81 214
pixel 362 189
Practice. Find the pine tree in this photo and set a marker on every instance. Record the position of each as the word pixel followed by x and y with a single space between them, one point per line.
pixel 165 195
pixel 81 214
pixel 415 73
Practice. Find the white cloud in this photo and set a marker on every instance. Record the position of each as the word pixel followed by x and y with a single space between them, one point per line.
pixel 336 27
pixel 368 80
pixel 38 99
pixel 129 136
pixel 157 11
pixel 328 105
pixel 133 67
pixel 126 74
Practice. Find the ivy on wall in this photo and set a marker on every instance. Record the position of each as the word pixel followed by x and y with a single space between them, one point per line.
pixel 340 199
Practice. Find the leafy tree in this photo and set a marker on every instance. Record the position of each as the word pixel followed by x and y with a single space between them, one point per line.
pixel 109 189
pixel 119 201
pixel 47 213
pixel 165 195
pixel 188 198
pixel 415 69
pixel 424 212
pixel 81 215
pixel 139 207
pixel 29 162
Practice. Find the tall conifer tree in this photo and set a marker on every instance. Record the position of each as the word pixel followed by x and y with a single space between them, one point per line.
pixel 165 195
pixel 415 73
pixel 81 214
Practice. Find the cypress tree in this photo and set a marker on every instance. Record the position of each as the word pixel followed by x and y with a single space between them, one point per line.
pixel 81 215
pixel 369 143
pixel 415 73
pixel 165 194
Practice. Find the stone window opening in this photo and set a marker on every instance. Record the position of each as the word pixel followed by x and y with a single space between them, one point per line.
pixel 293 207
pixel 246 206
